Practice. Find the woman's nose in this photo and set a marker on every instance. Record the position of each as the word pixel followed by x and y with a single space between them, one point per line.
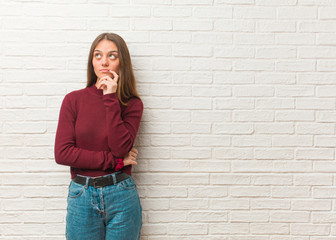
pixel 105 61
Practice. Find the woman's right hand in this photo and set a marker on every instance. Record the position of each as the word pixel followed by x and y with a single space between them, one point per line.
pixel 130 158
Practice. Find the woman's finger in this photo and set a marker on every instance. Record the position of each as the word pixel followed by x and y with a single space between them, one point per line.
pixel 134 150
pixel 115 76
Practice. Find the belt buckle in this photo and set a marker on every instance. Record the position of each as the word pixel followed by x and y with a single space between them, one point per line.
pixel 96 182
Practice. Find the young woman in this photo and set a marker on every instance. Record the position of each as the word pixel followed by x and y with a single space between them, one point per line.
pixel 95 136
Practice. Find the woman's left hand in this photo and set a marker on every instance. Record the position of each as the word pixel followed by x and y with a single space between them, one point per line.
pixel 108 84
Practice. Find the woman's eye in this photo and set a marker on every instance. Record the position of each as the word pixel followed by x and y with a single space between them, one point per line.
pixel 97 55
pixel 112 56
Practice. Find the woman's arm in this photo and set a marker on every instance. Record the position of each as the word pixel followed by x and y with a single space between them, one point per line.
pixel 122 127
pixel 66 151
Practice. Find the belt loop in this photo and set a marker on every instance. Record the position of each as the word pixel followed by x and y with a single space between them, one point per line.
pixel 114 179
pixel 87 182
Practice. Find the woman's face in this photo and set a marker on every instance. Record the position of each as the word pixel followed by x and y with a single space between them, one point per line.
pixel 105 58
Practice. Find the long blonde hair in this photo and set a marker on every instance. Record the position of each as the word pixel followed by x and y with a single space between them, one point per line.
pixel 126 84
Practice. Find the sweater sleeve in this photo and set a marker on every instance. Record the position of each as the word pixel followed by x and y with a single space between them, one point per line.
pixel 66 151
pixel 122 127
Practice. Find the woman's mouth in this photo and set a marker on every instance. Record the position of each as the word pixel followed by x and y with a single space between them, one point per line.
pixel 105 70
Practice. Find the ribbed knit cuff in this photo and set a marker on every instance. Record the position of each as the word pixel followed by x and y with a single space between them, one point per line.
pixel 119 165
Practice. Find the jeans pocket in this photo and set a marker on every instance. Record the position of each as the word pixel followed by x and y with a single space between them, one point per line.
pixel 75 190
pixel 128 184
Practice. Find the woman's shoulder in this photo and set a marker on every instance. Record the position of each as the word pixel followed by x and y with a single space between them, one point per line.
pixel 75 94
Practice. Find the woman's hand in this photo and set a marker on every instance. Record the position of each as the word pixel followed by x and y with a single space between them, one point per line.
pixel 108 84
pixel 130 158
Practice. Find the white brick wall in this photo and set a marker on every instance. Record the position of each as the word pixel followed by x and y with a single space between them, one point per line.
pixel 238 133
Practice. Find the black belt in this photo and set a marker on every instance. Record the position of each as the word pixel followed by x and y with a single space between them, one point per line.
pixel 103 181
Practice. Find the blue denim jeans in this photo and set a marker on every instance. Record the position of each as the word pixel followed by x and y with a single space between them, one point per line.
pixel 113 212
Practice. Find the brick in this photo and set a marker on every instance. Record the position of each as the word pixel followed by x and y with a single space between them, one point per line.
pixel 233 153
pixel 229 228
pixel 269 228
pixel 172 115
pixel 290 141
pixel 163 165
pixel 310 229
pixel 213 91
pixel 192 103
pixel 315 154
pixel 253 116
pixel 234 52
pixel 292 166
pixel 250 216
pixel 169 37
pixel 190 204
pixel 166 192
pixel 274 128
pixel 176 229
pixel 205 192
pixel 212 141
pixel 212 166
pixel 168 63
pixel 213 12
pixel 144 24
pixel 156 102
pixel 184 25
pixel 295 38
pixel 155 204
pixel 297 13
pixel 253 65
pixel 234 103
pixel 298 115
pixel 254 39
pixel 210 116
pixel 270 204
pixel 230 179
pixel 276 2
pixel 191 128
pixel 164 217
pixel 209 38
pixel 192 153
pixel 255 13
pixel 275 26
pixel 25 127
pixel 272 180
pixel 296 66
pixel 325 116
pixel 236 25
pixel 274 53
pixel 316 52
pixel 291 192
pixel 229 204
pixel 324 192
pixel 209 217
pixel 316 129
pixel 250 191
pixel 314 180
pixel 233 129
pixel 327 13
pixel 193 77
pixel 317 26
pixel 157 50
pixel 170 141
pixel 311 205
pixel 275 78
pixel 245 141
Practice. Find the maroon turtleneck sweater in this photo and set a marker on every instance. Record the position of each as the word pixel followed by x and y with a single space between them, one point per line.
pixel 94 130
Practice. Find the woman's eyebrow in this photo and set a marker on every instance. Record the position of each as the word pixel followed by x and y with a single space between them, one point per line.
pixel 102 51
